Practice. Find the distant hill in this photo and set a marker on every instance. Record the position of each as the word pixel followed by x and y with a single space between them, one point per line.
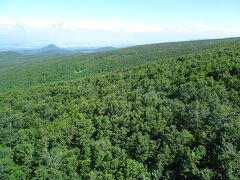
pixel 47 50
pixel 53 49
pixel 48 67
pixel 50 48
pixel 10 58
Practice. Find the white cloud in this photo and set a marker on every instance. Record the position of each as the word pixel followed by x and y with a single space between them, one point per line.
pixel 110 31
pixel 112 25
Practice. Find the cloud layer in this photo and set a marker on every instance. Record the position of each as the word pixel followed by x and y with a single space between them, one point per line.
pixel 105 31
pixel 112 25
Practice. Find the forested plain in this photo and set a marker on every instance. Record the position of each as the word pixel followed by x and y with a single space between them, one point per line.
pixel 177 117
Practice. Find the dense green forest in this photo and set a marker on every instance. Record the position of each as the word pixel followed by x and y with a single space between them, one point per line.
pixel 176 118
pixel 20 71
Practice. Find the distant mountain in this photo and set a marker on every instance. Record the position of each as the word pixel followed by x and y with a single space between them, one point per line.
pixel 53 49
pixel 50 47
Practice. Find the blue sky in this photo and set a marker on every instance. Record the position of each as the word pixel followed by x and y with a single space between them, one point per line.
pixel 115 22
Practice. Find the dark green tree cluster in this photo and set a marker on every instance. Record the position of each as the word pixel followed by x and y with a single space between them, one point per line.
pixel 177 119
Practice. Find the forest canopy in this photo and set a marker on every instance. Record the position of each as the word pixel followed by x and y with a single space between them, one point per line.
pixel 178 118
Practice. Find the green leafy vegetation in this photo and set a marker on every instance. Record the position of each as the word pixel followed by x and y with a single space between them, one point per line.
pixel 36 70
pixel 178 118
